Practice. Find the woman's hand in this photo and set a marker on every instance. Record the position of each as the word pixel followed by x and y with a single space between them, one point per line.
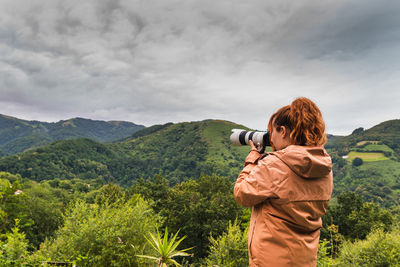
pixel 258 148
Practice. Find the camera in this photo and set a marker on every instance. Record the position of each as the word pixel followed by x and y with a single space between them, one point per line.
pixel 242 137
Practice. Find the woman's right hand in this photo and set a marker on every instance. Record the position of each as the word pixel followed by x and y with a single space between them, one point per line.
pixel 258 148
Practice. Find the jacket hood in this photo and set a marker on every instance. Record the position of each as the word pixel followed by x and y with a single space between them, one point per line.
pixel 306 161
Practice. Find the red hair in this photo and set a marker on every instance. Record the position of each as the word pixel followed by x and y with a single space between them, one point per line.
pixel 303 120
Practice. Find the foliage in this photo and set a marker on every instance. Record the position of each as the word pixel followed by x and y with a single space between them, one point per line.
pixel 357 162
pixel 201 208
pixel 13 249
pixel 38 208
pixel 229 249
pixel 176 151
pixel 95 235
pixel 324 257
pixel 79 158
pixel 197 207
pixel 376 182
pixel 379 249
pixel 386 132
pixel 334 241
pixel 109 194
pixel 354 217
pixel 166 248
pixel 156 191
pixel 187 150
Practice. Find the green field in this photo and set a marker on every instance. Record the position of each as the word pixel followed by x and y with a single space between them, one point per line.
pixel 367 156
pixel 376 147
pixel 365 142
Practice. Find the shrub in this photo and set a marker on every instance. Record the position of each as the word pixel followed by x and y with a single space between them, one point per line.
pixel 229 249
pixel 103 235
pixel 13 250
pixel 379 249
pixel 324 259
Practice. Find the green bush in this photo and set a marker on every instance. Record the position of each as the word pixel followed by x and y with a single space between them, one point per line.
pixel 103 235
pixel 14 249
pixel 379 249
pixel 229 249
pixel 324 259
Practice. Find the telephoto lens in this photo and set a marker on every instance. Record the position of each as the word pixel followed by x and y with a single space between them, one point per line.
pixel 242 137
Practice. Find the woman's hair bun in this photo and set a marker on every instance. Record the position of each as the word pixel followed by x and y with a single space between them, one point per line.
pixel 304 120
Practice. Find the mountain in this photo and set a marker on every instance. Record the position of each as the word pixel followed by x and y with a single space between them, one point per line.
pixel 186 150
pixel 177 151
pixel 17 135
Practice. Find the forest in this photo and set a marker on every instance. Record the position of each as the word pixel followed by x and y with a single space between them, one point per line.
pixel 164 194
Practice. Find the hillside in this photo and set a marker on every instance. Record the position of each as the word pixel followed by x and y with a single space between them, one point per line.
pixel 387 133
pixel 186 150
pixel 177 151
pixel 17 135
pixel 377 178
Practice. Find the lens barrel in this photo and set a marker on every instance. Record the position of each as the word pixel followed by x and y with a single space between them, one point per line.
pixel 242 137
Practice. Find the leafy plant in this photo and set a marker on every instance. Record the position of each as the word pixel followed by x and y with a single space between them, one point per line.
pixel 229 249
pixel 166 249
pixel 324 259
pixel 13 250
pixel 101 235
pixel 379 249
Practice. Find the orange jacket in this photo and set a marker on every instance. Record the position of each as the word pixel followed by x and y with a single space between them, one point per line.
pixel 289 191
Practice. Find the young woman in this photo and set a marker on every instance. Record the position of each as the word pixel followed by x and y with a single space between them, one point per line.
pixel 288 189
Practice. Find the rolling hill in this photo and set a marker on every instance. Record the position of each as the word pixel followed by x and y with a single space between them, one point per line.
pixel 387 133
pixel 17 135
pixel 177 151
pixel 186 150
pixel 377 179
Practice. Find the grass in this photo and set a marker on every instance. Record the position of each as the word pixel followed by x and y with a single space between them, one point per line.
pixel 367 156
pixel 364 142
pixel 376 147
pixel 217 133
pixel 387 168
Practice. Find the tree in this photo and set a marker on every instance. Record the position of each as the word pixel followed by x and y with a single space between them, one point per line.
pixel 354 217
pixel 357 162
pixel 201 208
pixel 155 190
pixel 109 194
pixel 358 130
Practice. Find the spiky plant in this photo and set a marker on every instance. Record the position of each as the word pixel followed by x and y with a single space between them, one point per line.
pixel 166 249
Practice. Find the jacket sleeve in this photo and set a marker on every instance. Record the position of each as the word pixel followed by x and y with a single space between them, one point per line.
pixel 255 182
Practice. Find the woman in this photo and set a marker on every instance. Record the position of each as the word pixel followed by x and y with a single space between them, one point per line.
pixel 288 189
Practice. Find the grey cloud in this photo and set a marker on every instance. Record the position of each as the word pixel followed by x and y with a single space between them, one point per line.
pixel 157 61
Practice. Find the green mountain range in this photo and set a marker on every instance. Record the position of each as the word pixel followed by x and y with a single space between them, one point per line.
pixel 17 135
pixel 186 150
pixel 177 151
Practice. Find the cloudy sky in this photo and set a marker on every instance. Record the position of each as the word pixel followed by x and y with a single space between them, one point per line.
pixel 158 61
